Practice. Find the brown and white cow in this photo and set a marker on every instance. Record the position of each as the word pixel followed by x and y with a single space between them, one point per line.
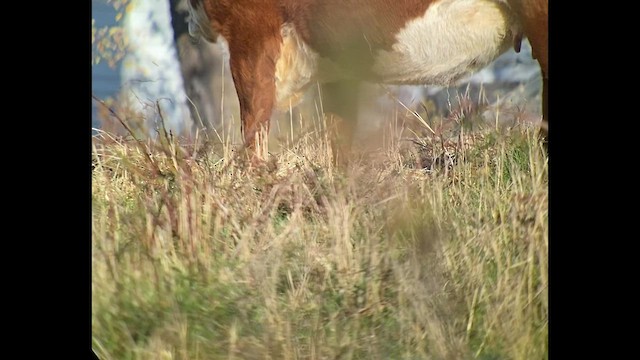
pixel 279 47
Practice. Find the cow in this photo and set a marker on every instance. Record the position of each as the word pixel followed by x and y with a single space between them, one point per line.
pixel 277 48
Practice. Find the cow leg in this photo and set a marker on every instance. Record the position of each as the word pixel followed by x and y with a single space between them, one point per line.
pixel 252 66
pixel 544 128
pixel 340 104
pixel 534 16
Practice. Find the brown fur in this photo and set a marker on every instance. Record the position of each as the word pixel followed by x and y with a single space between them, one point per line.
pixel 346 31
pixel 355 31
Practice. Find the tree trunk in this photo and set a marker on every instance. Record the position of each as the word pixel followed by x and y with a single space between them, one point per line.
pixel 201 67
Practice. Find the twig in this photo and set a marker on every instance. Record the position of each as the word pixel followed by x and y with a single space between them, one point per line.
pixel 124 124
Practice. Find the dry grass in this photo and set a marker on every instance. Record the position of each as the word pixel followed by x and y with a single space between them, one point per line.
pixel 430 249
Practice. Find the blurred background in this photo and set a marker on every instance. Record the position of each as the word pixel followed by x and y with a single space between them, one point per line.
pixel 146 67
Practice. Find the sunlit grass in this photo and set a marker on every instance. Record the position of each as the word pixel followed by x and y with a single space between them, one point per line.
pixel 425 249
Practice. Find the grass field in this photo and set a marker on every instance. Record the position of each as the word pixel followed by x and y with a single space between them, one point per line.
pixel 434 248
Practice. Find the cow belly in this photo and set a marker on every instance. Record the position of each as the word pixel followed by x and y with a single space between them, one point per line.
pixel 453 39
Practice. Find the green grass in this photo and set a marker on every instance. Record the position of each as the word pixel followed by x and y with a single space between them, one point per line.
pixel 204 257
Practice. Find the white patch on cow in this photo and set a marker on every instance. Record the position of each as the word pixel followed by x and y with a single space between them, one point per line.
pixel 295 68
pixel 454 38
pixel 199 24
